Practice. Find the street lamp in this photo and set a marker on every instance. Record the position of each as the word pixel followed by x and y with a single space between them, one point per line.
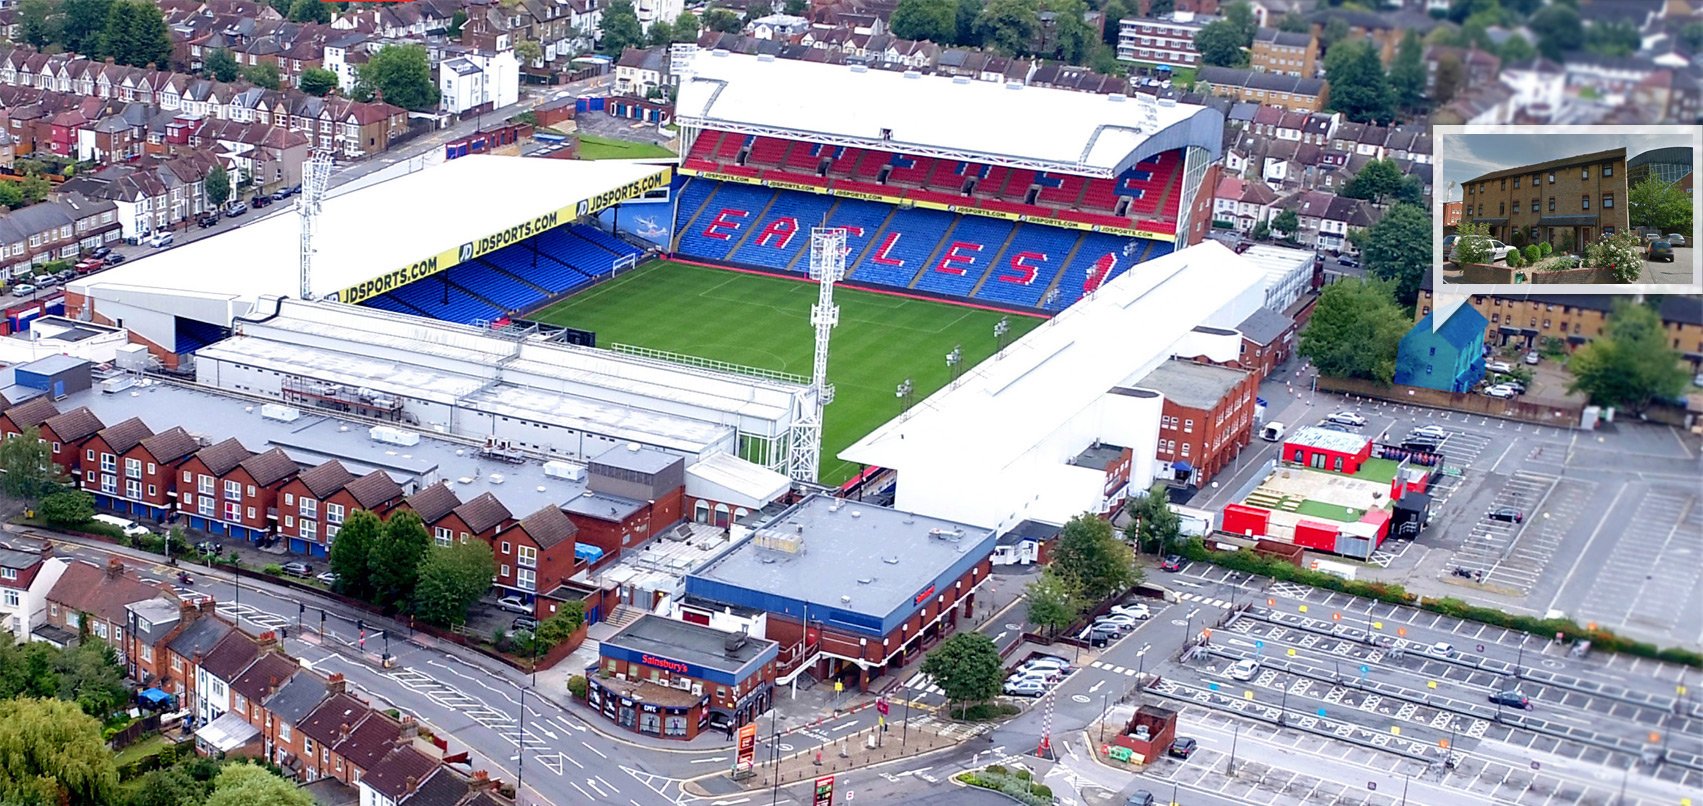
pixel 1234 737
pixel 1000 328
pixel 903 393
pixel 953 359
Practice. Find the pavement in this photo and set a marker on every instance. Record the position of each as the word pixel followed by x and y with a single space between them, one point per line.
pixel 1680 270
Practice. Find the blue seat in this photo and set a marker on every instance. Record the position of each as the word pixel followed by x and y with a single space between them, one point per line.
pixel 428 297
pixel 902 248
pixel 958 275
pixel 788 225
pixel 1043 250
pixel 695 239
pixel 1100 255
pixel 603 239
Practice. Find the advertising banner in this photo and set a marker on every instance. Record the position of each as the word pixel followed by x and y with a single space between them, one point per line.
pixel 747 755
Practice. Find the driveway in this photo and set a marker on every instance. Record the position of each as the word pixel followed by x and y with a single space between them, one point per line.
pixel 1681 270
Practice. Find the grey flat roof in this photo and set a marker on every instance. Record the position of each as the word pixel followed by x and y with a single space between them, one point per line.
pixel 1315 437
pixel 1197 386
pixel 53 364
pixel 688 642
pixel 1096 456
pixel 10 558
pixel 846 551
pixel 314 438
pixel 598 505
pixel 637 458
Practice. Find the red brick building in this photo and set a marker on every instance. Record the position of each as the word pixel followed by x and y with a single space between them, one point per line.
pixel 478 519
pixel 302 505
pixel 1207 417
pixel 433 504
pixel 86 593
pixel 536 554
pixel 376 492
pixel 26 415
pixel 632 491
pixel 240 500
pixel 66 434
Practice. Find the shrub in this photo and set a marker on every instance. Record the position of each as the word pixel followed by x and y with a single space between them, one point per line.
pixel 1619 253
pixel 1042 790
pixel 1518 239
pixel 1545 249
pixel 68 508
pixel 1473 244
pixel 1532 253
pixel 273 570
pixel 996 769
pixel 578 686
pixel 1515 260
pixel 1022 775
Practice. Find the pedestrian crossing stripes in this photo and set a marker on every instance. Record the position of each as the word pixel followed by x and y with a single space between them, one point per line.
pixel 1195 597
pixel 923 684
pixel 1114 669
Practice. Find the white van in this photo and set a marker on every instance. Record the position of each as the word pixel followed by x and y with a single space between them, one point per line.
pixel 1272 432
pixel 129 528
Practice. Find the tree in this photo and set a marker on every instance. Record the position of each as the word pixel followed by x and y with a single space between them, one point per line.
pixel 1613 39
pixel 177 785
pixel 1089 557
pixel 243 784
pixel 561 625
pixel 797 7
pixel 351 553
pixel 68 508
pixel 135 34
pixel 318 81
pixel 1660 205
pixel 1008 26
pixel 723 21
pixel 35 188
pixel 1407 73
pixel 10 195
pixel 264 75
pixel 393 565
pixel 310 11
pixel 221 65
pixel 758 9
pixel 1286 222
pixel 1262 230
pixel 968 12
pixel 1399 249
pixel 687 27
pixel 1220 45
pixel 89 675
pixel 1631 364
pixel 1157 8
pixel 1294 24
pixel 1354 330
pixel 39 22
pixel 1450 76
pixel 400 75
pixel 452 578
pixel 1240 15
pixel 1516 49
pixel 1691 36
pixel 966 667
pixel 621 29
pixel 1358 87
pixel 218 186
pixel 1558 31
pixel 1379 178
pixel 661 33
pixel 1334 31
pixel 456 22
pixel 53 754
pixel 26 466
pixel 83 23
pixel 933 20
pixel 1153 525
pixel 530 52
pixel 1053 604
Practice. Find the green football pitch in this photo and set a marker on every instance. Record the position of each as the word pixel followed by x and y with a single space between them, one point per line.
pixel 764 322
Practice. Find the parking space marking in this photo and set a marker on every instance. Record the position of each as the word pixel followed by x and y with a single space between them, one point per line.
pixel 1663 555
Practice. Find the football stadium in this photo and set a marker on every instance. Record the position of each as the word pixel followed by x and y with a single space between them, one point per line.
pixel 968 222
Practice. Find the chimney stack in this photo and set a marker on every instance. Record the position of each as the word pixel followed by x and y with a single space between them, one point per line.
pixel 114 568
pixel 410 728
pixel 409 785
pixel 334 683
pixel 266 640
pixel 207 606
pixel 481 781
pixel 342 731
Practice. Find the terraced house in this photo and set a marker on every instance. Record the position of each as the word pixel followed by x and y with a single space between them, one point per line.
pixel 1569 202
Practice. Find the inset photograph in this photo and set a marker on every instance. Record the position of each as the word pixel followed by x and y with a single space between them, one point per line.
pixel 1592 209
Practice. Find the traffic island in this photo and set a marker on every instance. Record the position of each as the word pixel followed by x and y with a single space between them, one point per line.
pixel 865 748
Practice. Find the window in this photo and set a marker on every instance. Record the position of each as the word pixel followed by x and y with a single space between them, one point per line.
pixel 1501 208
pixel 1608 201
pixel 310 529
pixel 133 468
pixel 528 557
pixel 1185 450
pixel 1584 202
pixel 309 508
pixel 507 549
pixel 1551 204
pixel 89 455
pixel 503 572
pixel 333 513
pixel 526 579
pixel 1534 205
pixel 1503 185
pixel 12 599
pixel 283 732
pixel 1607 169
pixel 443 536
pixel 204 485
pixel 109 484
pixel 1516 183
pixel 1188 426
pixel 1585 172
pixel 147 652
pixel 132 489
pixel 109 463
pixel 307 746
pixel 1551 177
pixel 204 506
pixel 233 490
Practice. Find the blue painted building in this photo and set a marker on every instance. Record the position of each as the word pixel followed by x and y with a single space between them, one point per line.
pixel 1451 359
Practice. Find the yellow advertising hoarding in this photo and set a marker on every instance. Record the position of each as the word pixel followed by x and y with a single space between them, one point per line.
pixel 443 261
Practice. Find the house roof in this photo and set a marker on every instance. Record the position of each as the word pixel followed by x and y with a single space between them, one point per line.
pixel 434 503
pixel 265 676
pixel 101 592
pixel 270 467
pixel 298 698
pixel 31 413
pixel 370 740
pixel 171 445
pixel 444 787
pixel 231 655
pixel 1264 326
pixel 483 513
pixel 401 768
pixel 221 457
pixel 1464 326
pixel 374 489
pixel 74 425
pixel 199 637
pixel 1197 386
pixel 326 479
pixel 335 712
pixel 1577 159
pixel 548 527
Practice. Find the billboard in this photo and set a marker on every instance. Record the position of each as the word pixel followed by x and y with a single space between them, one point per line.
pixel 746 758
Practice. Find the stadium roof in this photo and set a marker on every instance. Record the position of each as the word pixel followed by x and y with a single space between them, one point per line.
pixel 422 218
pixel 940 116
pixel 993 425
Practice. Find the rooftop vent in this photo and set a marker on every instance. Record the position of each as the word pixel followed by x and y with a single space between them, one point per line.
pixel 496 478
pixel 860 68
pixel 960 79
pixel 912 74
pixel 953 535
pixel 1014 85
pixel 765 57
pixel 865 580
pixel 856 513
pixel 845 600
pixel 891 560
pixel 733 642
pixel 633 447
pixel 1117 97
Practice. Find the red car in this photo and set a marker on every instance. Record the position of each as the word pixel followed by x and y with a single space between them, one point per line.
pixel 90 265
pixel 1171 563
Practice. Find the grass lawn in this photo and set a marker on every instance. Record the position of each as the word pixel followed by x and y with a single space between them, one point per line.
pixel 1383 470
pixel 592 147
pixel 1329 512
pixel 147 747
pixel 764 322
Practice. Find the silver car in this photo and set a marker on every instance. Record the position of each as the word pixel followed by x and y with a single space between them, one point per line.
pixel 1676 239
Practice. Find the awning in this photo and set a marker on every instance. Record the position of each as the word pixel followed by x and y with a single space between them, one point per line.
pixel 587 552
pixel 1490 221
pixel 228 733
pixel 155 697
pixel 1567 221
pixel 1182 467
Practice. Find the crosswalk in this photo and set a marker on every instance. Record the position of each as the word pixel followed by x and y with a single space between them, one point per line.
pixel 1114 669
pixel 923 684
pixel 1209 600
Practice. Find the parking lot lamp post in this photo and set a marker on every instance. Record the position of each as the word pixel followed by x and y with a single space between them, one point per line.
pixel 905 731
pixel 775 748
pixel 1234 737
pixel 1520 662
pixel 1283 710
pixel 1105 714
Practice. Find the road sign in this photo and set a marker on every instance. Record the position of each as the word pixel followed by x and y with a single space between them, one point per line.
pixel 825 791
pixel 881 706
pixel 747 756
pixel 839 686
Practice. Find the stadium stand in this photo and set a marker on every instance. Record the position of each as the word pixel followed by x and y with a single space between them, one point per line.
pixel 933 251
pixel 517 277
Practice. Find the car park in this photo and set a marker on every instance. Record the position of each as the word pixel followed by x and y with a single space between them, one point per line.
pixel 1183 747
pixel 524 624
pixel 1136 611
pixel 1512 699
pixel 1117 618
pixel 1659 250
pixel 1441 649
pixel 1501 391
pixel 1172 562
pixel 1347 418
pixel 1244 669
pixel 1507 514
pixel 514 604
pixel 298 569
pixel 1435 432
pixel 1338 427
pixel 23 290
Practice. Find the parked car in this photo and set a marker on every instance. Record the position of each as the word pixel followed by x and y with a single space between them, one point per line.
pixel 1117 618
pixel 1659 250
pixel 67 276
pixel 1139 797
pixel 302 570
pixel 524 624
pixel 90 265
pixel 1137 611
pixel 1675 238
pixel 1347 418
pixel 1339 427
pixel 114 259
pixel 1507 514
pixel 1348 262
pixel 281 194
pixel 23 290
pixel 1511 383
pixel 1441 649
pixel 234 209
pixel 1502 391
pixel 1172 562
pixel 1449 244
pixel 1046 662
pixel 207 219
pixel 160 240
pixel 1498 250
pixel 1244 669
pixel 207 547
pixel 329 577
pixel 514 604
pixel 1024 688
pixel 260 200
pixel 47 280
pixel 1534 357
pixel 1513 699
pixel 1183 747
pixel 1429 432
pixel 1498 366
pixel 100 252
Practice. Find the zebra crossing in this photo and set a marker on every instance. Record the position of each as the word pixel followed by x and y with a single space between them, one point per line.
pixel 257 617
pixel 527 740
pixel 1126 671
pixel 1208 600
pixel 923 684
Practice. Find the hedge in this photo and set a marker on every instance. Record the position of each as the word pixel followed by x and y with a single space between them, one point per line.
pixel 1017 785
pixel 1249 562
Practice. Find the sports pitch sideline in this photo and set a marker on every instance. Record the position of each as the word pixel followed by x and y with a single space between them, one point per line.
pixel 764 322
